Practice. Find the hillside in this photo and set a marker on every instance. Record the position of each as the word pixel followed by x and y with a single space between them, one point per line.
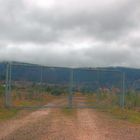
pixel 109 77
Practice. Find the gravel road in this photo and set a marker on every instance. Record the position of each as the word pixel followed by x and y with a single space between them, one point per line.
pixel 54 124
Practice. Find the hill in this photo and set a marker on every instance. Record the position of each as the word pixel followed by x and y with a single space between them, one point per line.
pixel 107 76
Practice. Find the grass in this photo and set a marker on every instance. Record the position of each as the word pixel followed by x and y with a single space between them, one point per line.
pixel 109 105
pixel 123 114
pixel 91 100
pixel 132 100
pixel 7 113
pixel 67 111
pixel 26 103
pixel 38 101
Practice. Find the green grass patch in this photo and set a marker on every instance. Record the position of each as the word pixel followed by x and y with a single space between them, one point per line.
pixel 91 100
pixel 7 113
pixel 110 103
pixel 69 111
pixel 27 103
pixel 123 114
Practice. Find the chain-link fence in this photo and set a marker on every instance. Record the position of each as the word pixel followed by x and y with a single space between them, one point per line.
pixel 2 84
pixel 27 85
pixel 30 85
pixel 132 96
pixel 98 88
pixel 38 86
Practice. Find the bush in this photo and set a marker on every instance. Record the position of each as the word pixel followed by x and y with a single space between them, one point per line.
pixel 1 90
pixel 56 92
pixel 132 100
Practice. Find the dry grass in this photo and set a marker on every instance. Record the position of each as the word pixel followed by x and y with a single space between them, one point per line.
pixel 110 104
pixel 69 111
pixel 7 113
pixel 125 114
pixel 45 99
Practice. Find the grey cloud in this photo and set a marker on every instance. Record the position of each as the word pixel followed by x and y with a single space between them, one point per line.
pixel 93 56
pixel 107 23
pixel 37 25
pixel 71 33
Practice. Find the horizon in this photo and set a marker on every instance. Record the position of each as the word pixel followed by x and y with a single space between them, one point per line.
pixel 51 66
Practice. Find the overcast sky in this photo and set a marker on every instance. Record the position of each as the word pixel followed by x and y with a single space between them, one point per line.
pixel 90 33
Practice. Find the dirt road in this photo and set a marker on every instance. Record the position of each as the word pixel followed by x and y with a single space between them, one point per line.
pixel 56 124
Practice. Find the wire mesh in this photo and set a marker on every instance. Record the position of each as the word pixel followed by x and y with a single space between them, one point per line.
pixel 36 86
pixel 2 84
pixel 132 96
pixel 39 86
pixel 97 88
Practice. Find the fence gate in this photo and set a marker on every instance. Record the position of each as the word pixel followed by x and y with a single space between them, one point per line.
pixel 29 85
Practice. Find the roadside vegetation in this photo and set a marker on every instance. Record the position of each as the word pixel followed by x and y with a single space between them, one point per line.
pixel 5 113
pixel 1 96
pixel 103 101
pixel 110 103
pixel 36 95
pixel 69 112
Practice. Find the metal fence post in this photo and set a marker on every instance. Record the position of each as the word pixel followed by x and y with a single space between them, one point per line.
pixel 70 89
pixel 8 85
pixel 41 78
pixel 98 80
pixel 122 97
